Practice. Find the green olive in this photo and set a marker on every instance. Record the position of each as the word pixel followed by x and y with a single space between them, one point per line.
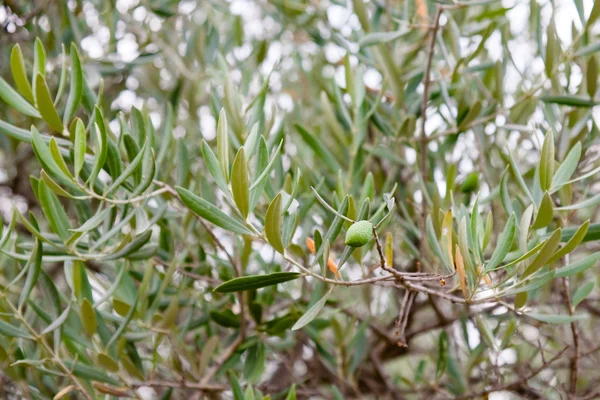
pixel 359 233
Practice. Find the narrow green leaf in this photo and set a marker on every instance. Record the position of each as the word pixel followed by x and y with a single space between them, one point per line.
pixel 9 330
pixel 589 49
pixel 582 293
pixel 328 207
pixel 489 229
pixel 239 183
pixel 107 363
pixel 249 393
pixel 591 73
pixel 208 351
pixel 312 312
pixel 544 255
pixel 225 318
pixel 91 373
pixel 331 119
pixel 567 167
pixel 594 14
pixel 520 180
pixel 261 162
pixel 486 333
pixel 88 317
pixel 251 143
pixel 238 394
pixel 113 287
pixel 267 169
pixel 573 101
pixel 592 201
pixel 435 244
pixel 547 161
pixel 58 159
pixel 255 362
pixel 213 166
pixel 557 319
pixel 131 247
pixel 533 284
pixel 79 147
pixel 57 323
pixel 504 193
pixel 552 49
pixel 94 221
pixel 525 256
pixel 584 176
pixel 16 101
pixel 572 243
pixel 76 90
pixel 14 132
pixel 53 185
pixel 35 267
pixel 129 170
pixel 121 329
pixel 442 359
pixel 256 281
pixel 294 190
pixel 474 234
pixel 101 150
pixel 273 223
pixel 524 228
pixel 508 333
pixel 54 211
pixel 373 38
pixel 320 150
pixel 44 156
pixel 148 169
pixel 39 62
pixel 63 77
pixel 333 231
pixel 578 266
pixel 223 144
pixel 504 244
pixel 545 213
pixel 17 67
pixel 292 393
pixel 205 210
pixel 45 104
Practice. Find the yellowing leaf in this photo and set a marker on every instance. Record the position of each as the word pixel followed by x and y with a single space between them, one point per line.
pixel 460 270
pixel 389 249
pixel 446 239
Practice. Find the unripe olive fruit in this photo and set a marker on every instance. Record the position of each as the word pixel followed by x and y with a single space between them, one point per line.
pixel 359 233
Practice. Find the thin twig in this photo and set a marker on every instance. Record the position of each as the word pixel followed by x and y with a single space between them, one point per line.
pixel 181 384
pixel 514 384
pixel 423 136
pixel 391 388
pixel 228 352
pixel 406 309
pixel 236 267
pixel 575 332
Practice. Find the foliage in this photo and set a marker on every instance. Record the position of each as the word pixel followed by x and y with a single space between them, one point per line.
pixel 194 242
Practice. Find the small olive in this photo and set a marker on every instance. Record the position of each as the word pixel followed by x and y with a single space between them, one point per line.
pixel 359 233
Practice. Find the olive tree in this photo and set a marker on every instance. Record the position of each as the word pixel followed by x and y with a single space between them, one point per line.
pixel 299 199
